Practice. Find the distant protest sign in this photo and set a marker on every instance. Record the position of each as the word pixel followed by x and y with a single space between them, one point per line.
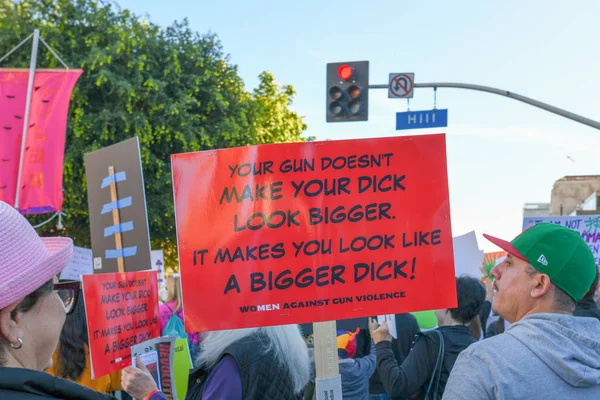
pixel 308 232
pixel 117 208
pixel 587 225
pixel 122 311
pixel 80 264
pixel 182 365
pixel 467 256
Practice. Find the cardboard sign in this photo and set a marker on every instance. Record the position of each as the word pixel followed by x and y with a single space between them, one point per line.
pixel 587 225
pixel 80 264
pixel 490 260
pixel 306 232
pixel 122 311
pixel 182 365
pixel 467 256
pixel 157 355
pixel 391 322
pixel 129 207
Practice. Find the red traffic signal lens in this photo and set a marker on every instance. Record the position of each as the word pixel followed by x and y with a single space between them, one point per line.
pixel 345 72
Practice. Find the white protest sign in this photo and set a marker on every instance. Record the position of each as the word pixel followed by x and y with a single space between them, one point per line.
pixel 157 260
pixel 81 264
pixel 467 256
pixel 391 322
pixel 588 227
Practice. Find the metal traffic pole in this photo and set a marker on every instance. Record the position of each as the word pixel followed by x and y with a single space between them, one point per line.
pixel 505 93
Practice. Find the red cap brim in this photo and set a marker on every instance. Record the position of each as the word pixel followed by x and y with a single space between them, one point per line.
pixel 506 246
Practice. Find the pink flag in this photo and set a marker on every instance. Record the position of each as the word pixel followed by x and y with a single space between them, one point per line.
pixel 41 179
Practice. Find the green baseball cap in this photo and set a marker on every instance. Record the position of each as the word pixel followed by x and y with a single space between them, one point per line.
pixel 559 252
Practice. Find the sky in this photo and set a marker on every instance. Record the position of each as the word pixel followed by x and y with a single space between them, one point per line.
pixel 501 153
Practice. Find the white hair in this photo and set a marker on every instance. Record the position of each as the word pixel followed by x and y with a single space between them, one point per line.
pixel 284 342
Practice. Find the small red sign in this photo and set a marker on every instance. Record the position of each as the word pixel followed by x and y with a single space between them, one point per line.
pixel 122 310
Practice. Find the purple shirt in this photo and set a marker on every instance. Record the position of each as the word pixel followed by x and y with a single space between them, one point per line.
pixel 224 382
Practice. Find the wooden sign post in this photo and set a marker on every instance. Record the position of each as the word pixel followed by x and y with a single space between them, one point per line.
pixel 116 219
pixel 329 380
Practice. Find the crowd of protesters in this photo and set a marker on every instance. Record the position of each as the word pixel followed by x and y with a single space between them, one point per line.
pixel 531 330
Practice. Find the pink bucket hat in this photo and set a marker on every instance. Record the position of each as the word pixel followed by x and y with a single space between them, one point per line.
pixel 26 260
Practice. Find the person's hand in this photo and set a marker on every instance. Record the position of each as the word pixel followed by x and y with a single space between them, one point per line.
pixel 137 381
pixel 373 325
pixel 380 333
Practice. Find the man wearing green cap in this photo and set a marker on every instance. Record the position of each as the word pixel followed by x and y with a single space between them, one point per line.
pixel 546 353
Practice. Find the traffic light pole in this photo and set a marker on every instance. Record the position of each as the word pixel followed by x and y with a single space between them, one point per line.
pixel 505 93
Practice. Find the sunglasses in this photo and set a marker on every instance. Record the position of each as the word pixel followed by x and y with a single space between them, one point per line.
pixel 68 293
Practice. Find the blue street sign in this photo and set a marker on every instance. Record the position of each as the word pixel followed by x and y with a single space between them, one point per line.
pixel 421 119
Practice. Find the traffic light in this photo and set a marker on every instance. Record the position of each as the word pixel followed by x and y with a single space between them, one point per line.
pixel 348 91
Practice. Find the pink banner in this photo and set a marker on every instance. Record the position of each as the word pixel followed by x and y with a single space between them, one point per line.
pixel 42 175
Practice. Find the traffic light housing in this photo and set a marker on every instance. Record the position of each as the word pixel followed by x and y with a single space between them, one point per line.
pixel 348 91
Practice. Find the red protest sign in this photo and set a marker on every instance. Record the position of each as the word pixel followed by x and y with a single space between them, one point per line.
pixel 122 311
pixel 306 232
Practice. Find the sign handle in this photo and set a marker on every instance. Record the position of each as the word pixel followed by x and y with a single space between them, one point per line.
pixel 329 380
pixel 116 219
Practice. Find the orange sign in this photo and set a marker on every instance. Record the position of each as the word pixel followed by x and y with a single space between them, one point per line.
pixel 122 311
pixel 305 232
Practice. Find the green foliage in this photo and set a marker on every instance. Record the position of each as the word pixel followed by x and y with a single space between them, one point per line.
pixel 173 88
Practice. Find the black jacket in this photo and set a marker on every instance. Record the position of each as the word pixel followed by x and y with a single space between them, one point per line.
pixel 27 384
pixel 262 377
pixel 484 314
pixel 413 375
pixel 587 308
pixel 407 328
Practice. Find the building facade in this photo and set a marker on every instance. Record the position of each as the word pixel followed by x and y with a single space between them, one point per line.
pixel 571 195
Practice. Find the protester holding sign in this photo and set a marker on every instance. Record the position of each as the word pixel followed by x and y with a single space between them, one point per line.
pixel 33 307
pixel 260 363
pixel 546 353
pixel 407 328
pixel 426 369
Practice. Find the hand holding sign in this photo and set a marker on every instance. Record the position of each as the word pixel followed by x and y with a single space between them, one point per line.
pixel 381 334
pixel 373 325
pixel 137 381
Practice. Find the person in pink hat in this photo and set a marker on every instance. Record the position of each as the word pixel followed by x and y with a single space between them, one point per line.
pixel 33 308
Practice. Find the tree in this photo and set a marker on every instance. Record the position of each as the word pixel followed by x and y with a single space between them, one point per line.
pixel 173 88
